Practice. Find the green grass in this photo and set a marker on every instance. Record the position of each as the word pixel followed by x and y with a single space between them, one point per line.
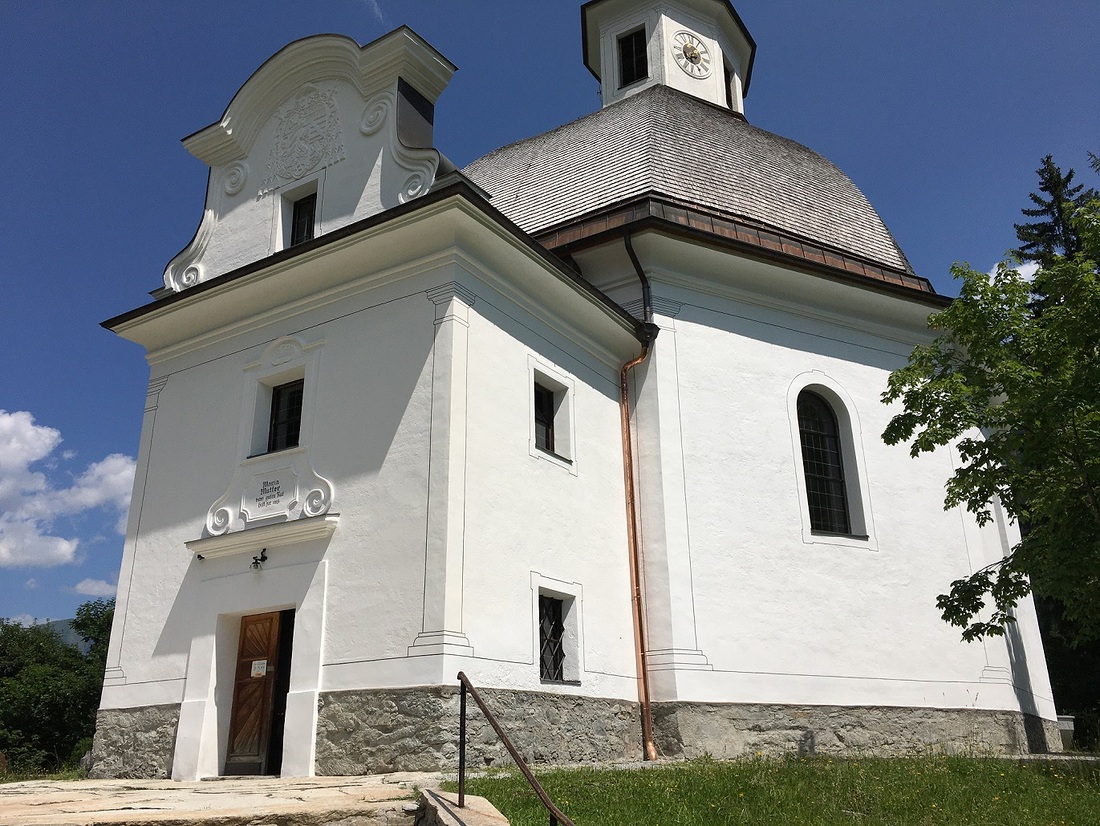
pixel 819 791
pixel 64 774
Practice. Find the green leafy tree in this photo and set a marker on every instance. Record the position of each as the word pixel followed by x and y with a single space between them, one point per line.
pixel 1018 393
pixel 93 623
pixel 49 690
pixel 1055 234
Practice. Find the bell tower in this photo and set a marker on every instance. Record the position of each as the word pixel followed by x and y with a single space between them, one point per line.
pixel 700 47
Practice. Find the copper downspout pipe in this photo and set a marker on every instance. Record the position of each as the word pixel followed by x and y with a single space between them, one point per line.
pixel 634 548
pixel 635 561
pixel 632 508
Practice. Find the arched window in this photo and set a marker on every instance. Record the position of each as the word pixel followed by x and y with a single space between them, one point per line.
pixel 826 492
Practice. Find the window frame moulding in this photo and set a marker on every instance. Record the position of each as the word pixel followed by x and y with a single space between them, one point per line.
pixel 564 388
pixel 857 484
pixel 571 594
pixel 270 487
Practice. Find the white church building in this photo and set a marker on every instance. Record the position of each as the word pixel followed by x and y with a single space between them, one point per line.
pixel 595 420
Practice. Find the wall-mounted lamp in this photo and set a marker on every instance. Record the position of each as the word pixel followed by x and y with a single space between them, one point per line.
pixel 258 561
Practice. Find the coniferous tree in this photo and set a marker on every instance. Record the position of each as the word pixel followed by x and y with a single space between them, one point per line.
pixel 1054 235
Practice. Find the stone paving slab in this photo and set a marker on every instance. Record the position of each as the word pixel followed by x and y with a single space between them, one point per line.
pixel 243 801
pixel 438 808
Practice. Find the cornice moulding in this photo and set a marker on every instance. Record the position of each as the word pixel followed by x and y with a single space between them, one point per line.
pixel 456 229
pixel 702 286
pixel 295 531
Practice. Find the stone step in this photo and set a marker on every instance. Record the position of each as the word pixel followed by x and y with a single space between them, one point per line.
pixel 441 809
pixel 386 800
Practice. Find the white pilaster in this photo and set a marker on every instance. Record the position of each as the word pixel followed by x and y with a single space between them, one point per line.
pixel 441 631
pixel 114 675
pixel 666 540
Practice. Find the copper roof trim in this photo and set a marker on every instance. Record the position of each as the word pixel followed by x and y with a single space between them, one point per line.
pixel 772 241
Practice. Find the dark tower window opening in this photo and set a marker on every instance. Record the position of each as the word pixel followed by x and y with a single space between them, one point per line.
pixel 303 220
pixel 633 58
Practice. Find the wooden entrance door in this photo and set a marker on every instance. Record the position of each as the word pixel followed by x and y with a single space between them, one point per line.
pixel 259 694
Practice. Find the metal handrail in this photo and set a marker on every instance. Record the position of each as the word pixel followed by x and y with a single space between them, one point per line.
pixel 557 817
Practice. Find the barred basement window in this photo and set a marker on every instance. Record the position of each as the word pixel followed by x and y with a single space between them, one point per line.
pixel 551 639
pixel 633 58
pixel 826 490
pixel 286 415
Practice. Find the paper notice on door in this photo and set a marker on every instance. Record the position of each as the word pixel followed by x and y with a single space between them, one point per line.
pixel 259 668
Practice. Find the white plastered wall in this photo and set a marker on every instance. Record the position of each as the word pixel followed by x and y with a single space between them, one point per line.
pixel 538 519
pixel 359 595
pixel 744 602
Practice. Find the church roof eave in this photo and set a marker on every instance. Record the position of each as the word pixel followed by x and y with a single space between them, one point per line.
pixel 656 211
pixel 567 285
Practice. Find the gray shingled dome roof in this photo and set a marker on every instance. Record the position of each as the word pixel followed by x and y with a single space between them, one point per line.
pixel 667 142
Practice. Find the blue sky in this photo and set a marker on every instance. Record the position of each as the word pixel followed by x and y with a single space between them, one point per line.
pixel 939 111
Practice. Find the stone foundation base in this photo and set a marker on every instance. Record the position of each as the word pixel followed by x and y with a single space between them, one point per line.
pixel 416 729
pixel 726 731
pixel 134 742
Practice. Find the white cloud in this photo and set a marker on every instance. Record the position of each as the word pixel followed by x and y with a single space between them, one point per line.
pixel 1027 269
pixel 30 503
pixel 95 588
pixel 22 443
pixel 26 620
pixel 25 542
pixel 31 584
pixel 104 483
pixel 376 10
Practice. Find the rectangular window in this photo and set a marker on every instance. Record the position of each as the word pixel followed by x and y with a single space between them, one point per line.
pixel 286 415
pixel 550 394
pixel 551 639
pixel 544 418
pixel 303 219
pixel 633 58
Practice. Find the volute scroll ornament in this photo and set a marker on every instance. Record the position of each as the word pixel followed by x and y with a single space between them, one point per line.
pixel 218 521
pixel 318 501
pixel 375 113
pixel 185 270
pixel 236 175
pixel 416 185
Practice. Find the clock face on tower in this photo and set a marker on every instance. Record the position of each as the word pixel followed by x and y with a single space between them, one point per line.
pixel 691 54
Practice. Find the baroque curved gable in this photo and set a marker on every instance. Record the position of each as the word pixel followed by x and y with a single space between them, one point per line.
pixel 316 103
